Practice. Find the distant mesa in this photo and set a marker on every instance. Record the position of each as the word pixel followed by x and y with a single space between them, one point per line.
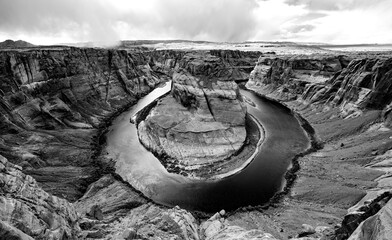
pixel 15 44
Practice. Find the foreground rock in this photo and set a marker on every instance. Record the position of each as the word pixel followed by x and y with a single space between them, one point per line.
pixel 378 226
pixel 152 222
pixel 27 211
pixel 203 120
pixel 108 199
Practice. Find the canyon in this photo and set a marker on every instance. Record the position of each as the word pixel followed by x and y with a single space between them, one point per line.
pixel 57 103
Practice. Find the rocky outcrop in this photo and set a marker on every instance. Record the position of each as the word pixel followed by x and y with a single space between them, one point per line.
pixel 111 197
pixel 27 211
pixel 375 227
pixel 286 77
pixel 153 222
pixel 361 213
pixel 203 120
pixel 363 83
pixel 218 228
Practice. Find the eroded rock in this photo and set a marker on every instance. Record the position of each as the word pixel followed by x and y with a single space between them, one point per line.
pixel 203 120
pixel 108 199
pixel 27 211
pixel 375 227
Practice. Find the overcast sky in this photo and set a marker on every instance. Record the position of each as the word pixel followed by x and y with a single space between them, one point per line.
pixel 67 21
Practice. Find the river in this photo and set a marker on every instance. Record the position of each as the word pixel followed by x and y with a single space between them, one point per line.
pixel 254 185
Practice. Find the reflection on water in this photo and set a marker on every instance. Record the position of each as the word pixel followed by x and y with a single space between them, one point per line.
pixel 255 185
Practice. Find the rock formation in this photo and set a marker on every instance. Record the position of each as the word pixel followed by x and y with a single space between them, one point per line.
pixel 203 120
pixel 375 227
pixel 362 83
pixel 27 211
pixel 287 76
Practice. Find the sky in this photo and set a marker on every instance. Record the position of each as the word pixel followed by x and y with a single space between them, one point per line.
pixel 108 21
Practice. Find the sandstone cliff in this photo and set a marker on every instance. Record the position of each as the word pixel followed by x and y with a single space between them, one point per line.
pixel 287 76
pixel 345 81
pixel 203 120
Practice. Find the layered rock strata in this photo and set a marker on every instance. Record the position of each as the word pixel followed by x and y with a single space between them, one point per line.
pixel 345 81
pixel 28 212
pixel 288 76
pixel 203 120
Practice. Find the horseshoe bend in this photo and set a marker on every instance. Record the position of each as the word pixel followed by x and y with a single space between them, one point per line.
pixel 180 142
pixel 202 121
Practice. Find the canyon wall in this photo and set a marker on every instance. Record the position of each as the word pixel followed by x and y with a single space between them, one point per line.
pixel 348 82
pixel 53 103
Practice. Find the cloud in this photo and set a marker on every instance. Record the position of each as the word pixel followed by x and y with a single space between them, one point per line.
pixel 339 22
pixel 81 20
pixel 107 21
pixel 359 21
pixel 316 4
pixel 275 17
pixel 327 5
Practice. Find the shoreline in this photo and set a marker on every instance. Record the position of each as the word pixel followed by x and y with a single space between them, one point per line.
pixel 232 172
pixel 315 144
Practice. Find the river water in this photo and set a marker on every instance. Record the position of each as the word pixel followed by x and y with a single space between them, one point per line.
pixel 254 185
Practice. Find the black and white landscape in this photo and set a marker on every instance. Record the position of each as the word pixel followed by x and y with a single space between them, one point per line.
pixel 196 120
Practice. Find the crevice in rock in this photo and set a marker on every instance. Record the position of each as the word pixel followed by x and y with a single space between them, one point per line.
pixel 208 104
